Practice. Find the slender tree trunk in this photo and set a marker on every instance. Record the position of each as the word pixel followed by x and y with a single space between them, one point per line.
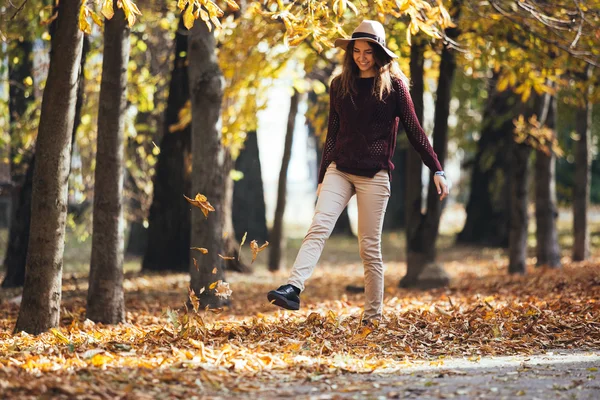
pixel 210 171
pixel 169 217
pixel 40 307
pixel 105 302
pixel 248 209
pixel 421 267
pixel 583 174
pixel 276 236
pixel 519 217
pixel 488 205
pixel 546 210
pixel 414 165
pixel 18 235
pixel 20 210
pixel 231 247
pixel 395 215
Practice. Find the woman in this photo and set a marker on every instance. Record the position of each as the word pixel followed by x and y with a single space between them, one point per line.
pixel 366 101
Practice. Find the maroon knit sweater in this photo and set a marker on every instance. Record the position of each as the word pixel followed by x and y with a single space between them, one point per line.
pixel 361 133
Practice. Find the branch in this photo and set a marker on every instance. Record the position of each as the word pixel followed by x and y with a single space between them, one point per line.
pixel 19 9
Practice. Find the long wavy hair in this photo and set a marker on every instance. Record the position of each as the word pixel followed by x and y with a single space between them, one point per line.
pixel 386 68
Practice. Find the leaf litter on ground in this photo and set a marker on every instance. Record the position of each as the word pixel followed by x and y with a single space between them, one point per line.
pixel 251 343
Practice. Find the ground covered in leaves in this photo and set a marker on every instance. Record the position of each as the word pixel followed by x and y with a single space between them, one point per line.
pixel 254 349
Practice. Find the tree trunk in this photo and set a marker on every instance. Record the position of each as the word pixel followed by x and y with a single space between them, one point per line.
pixel 422 269
pixel 40 307
pixel 210 171
pixel 18 234
pixel 487 210
pixel 413 194
pixel 546 210
pixel 231 247
pixel 105 302
pixel 248 209
pixel 20 210
pixel 169 217
pixel 395 215
pixel 583 175
pixel 519 218
pixel 277 236
pixel 18 237
pixel 20 66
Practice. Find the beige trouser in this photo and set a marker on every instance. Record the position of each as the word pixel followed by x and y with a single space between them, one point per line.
pixel 372 196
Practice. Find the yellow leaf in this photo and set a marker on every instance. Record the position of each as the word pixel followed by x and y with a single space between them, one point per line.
pixel 100 359
pixel 97 20
pixel 241 244
pixel 28 81
pixel 200 249
pixel 214 271
pixel 60 336
pixel 233 5
pixel 84 25
pixel 130 10
pixel 181 4
pixel 107 9
pixel 188 17
pixel 213 285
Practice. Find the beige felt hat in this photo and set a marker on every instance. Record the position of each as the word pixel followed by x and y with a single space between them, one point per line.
pixel 371 31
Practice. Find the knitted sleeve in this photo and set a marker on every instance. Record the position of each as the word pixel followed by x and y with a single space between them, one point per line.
pixel 333 127
pixel 416 135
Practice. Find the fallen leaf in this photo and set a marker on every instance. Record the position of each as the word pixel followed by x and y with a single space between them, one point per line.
pixel 200 249
pixel 226 257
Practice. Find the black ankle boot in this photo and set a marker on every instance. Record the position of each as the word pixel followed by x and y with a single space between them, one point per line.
pixel 286 296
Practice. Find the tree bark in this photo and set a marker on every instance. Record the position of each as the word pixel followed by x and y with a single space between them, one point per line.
pixel 20 210
pixel 231 247
pixel 248 209
pixel 395 215
pixel 519 217
pixel 40 306
pixel 169 217
pixel 105 302
pixel 583 175
pixel 487 209
pixel 546 210
pixel 413 167
pixel 421 266
pixel 276 235
pixel 19 98
pixel 209 177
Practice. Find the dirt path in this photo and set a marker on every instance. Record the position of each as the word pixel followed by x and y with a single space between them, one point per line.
pixel 555 375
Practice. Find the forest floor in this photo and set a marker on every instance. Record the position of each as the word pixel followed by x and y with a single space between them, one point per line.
pixel 486 335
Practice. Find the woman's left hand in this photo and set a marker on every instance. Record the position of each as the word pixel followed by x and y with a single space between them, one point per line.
pixel 442 185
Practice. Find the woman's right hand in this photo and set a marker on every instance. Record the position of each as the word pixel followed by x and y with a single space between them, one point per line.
pixel 319 189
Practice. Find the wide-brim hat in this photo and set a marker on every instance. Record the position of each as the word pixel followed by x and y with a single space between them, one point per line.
pixel 371 31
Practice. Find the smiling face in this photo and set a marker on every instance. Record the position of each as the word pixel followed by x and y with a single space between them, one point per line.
pixel 363 57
